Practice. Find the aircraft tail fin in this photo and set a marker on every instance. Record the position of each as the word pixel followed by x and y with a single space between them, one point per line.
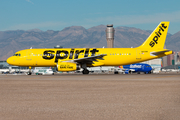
pixel 121 67
pixel 158 37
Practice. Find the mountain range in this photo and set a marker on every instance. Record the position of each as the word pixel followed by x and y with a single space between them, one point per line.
pixel 76 37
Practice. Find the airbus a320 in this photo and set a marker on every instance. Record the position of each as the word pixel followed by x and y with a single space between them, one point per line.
pixel 71 59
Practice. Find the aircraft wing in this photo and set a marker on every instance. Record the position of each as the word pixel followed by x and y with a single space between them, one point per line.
pixel 159 52
pixel 88 60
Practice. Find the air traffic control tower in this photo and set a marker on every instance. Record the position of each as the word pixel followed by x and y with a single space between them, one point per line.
pixel 110 36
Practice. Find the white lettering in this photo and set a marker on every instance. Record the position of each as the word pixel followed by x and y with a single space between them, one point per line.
pixel 135 66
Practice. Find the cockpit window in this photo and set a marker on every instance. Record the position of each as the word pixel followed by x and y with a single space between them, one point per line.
pixel 16 54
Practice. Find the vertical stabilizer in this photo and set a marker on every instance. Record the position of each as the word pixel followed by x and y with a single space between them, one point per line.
pixel 157 38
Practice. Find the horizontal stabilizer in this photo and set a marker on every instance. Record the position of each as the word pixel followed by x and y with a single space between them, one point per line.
pixel 159 52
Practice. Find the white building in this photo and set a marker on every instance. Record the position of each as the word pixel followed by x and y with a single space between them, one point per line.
pixel 155 64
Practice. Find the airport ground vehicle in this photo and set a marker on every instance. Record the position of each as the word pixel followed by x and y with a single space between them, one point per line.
pixel 43 71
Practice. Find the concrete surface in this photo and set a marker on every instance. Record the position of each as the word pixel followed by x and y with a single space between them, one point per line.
pixel 90 97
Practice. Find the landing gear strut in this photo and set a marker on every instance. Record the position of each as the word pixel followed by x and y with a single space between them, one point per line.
pixel 85 71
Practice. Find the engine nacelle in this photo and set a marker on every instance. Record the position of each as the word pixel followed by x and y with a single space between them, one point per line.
pixel 127 71
pixel 68 66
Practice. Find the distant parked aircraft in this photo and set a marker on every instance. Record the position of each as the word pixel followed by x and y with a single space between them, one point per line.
pixel 137 68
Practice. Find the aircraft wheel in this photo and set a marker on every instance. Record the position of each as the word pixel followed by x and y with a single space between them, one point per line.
pixel 29 73
pixel 85 71
pixel 116 72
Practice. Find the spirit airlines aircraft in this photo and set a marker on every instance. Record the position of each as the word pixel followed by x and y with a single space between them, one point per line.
pixel 71 59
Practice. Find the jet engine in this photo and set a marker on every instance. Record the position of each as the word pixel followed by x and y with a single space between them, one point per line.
pixel 128 72
pixel 67 66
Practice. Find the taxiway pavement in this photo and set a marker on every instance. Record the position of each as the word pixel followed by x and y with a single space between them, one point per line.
pixel 94 96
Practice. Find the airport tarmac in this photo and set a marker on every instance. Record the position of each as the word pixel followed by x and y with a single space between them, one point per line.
pixel 93 96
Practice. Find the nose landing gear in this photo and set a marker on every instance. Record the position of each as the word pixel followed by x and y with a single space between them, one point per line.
pixel 29 72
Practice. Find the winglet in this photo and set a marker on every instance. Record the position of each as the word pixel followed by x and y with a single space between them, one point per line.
pixel 157 38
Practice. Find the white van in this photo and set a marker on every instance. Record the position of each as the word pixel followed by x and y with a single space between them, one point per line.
pixel 45 72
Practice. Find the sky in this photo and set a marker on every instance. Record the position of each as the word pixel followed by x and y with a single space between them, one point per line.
pixel 58 14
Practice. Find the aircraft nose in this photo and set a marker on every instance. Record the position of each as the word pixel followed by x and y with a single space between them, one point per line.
pixel 10 60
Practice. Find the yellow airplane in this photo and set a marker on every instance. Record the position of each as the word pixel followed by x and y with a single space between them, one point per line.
pixel 71 59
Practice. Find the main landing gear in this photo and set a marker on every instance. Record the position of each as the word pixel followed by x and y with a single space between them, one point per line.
pixel 85 71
